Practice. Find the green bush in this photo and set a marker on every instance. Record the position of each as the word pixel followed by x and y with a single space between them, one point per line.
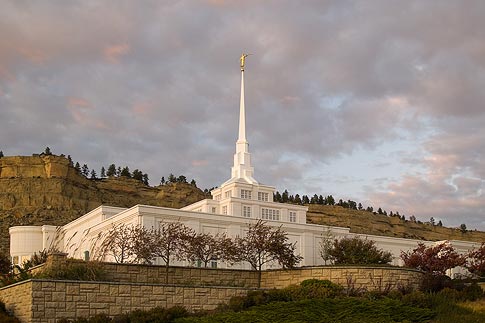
pixel 155 315
pixel 74 270
pixel 434 282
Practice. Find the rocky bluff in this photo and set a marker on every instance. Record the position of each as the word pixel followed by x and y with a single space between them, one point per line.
pixel 46 189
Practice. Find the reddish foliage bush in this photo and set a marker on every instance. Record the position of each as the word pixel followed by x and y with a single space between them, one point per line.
pixel 435 259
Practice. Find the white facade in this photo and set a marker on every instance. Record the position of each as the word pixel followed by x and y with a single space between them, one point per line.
pixel 237 202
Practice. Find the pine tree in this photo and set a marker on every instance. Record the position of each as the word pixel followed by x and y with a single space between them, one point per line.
pixel 111 170
pixel 70 160
pixel 93 174
pixel 77 167
pixel 47 151
pixel 85 170
pixel 193 183
pixel 145 179
pixel 1 154
pixel 125 172
pixel 162 181
pixel 103 172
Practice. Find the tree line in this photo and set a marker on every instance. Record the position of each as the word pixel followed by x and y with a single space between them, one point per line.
pixel 286 197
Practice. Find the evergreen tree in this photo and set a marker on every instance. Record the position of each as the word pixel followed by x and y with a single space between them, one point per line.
pixel 172 178
pixel 330 200
pixel 70 160
pixel 93 174
pixel 1 154
pixel 440 224
pixel 379 211
pixel 321 201
pixel 285 197
pixel 162 181
pixel 138 175
pixel 118 171
pixel 360 207
pixel 47 151
pixel 125 172
pixel 193 183
pixel 111 170
pixel 277 197
pixel 305 199
pixel 85 170
pixel 297 199
pixel 463 228
pixel 103 172
pixel 77 167
pixel 181 179
pixel 314 199
pixel 145 179
pixel 431 221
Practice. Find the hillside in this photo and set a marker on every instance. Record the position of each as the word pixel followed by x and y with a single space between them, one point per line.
pixel 45 189
pixel 376 224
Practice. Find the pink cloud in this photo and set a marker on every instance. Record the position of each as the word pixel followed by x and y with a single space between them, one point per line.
pixel 113 53
pixel 199 162
pixel 35 56
pixel 142 108
pixel 78 102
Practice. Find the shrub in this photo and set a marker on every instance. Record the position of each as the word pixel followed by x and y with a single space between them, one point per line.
pixel 357 251
pixel 74 270
pixel 476 261
pixel 434 282
pixel 154 315
pixel 434 260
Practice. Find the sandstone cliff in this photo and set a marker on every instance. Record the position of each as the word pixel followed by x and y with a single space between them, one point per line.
pixel 45 189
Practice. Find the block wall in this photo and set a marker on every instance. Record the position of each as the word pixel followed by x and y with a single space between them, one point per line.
pixel 366 278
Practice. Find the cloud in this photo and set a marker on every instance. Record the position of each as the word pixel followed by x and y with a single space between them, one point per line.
pixel 113 53
pixel 156 86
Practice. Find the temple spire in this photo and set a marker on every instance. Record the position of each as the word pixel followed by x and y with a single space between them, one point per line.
pixel 242 113
pixel 242 169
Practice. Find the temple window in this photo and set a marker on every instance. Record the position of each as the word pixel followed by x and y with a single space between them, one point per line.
pixel 270 214
pixel 246 194
pixel 246 211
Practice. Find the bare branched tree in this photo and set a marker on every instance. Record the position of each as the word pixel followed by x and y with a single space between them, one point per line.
pixel 170 242
pixel 263 244
pixel 118 243
pixel 206 247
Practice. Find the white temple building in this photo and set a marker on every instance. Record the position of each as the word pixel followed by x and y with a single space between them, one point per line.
pixel 238 201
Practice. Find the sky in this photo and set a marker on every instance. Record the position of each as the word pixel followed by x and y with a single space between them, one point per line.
pixel 380 102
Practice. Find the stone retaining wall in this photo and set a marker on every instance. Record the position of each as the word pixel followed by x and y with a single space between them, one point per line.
pixel 180 275
pixel 18 300
pixel 366 278
pixel 46 301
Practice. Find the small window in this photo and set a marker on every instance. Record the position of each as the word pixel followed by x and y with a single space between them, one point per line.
pixel 227 194
pixel 213 264
pixel 217 197
pixel 263 196
pixel 270 214
pixel 246 194
pixel 292 216
pixel 246 211
pixel 224 210
pixel 213 209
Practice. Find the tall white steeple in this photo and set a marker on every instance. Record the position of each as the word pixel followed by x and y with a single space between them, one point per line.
pixel 242 159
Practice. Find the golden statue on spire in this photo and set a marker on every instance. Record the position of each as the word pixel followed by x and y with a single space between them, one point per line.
pixel 243 60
